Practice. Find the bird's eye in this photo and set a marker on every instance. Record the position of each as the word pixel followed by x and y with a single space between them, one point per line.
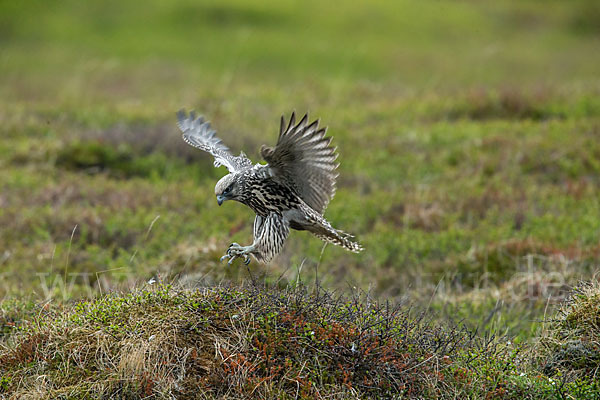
pixel 228 189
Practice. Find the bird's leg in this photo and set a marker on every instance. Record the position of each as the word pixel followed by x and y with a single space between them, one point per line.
pixel 236 251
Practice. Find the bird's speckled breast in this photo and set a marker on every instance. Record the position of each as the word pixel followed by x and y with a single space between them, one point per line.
pixel 265 195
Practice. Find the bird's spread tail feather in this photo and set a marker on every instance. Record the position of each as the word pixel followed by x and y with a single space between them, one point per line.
pixel 340 238
pixel 324 231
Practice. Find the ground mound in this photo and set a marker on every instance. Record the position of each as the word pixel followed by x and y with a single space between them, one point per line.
pixel 255 342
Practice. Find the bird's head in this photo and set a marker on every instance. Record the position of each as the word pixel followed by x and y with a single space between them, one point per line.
pixel 227 188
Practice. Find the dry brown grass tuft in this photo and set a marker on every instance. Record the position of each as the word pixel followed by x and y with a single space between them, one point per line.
pixel 571 345
pixel 160 342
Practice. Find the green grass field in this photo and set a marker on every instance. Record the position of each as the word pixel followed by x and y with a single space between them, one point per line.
pixel 468 133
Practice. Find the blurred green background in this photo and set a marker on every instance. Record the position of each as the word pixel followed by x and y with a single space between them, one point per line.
pixel 468 132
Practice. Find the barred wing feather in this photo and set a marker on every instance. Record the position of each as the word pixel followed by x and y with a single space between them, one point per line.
pixel 304 160
pixel 198 133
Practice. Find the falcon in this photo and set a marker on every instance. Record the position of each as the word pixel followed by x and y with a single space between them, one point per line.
pixel 291 191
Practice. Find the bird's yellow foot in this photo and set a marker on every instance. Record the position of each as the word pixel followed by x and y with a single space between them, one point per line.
pixel 236 251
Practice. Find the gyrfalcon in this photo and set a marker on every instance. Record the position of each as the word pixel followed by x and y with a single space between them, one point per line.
pixel 291 191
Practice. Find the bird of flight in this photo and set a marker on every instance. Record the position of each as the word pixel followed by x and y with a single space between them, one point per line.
pixel 291 191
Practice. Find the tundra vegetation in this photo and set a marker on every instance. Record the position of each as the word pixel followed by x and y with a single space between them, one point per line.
pixel 469 140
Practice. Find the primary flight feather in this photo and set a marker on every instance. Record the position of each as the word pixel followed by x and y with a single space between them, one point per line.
pixel 291 191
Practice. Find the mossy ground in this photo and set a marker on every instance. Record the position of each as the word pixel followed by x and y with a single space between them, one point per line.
pixel 468 132
pixel 159 342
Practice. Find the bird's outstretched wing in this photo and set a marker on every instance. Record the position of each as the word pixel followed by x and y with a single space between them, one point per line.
pixel 304 160
pixel 198 133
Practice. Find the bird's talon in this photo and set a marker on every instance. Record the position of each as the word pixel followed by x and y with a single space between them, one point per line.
pixel 224 257
pixel 236 251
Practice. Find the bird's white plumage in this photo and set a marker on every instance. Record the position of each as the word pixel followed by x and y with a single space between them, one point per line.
pixel 198 133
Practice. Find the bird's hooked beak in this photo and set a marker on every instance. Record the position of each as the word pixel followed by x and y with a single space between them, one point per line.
pixel 221 199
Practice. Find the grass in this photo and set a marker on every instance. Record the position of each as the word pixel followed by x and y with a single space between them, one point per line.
pixel 159 341
pixel 468 135
pixel 572 344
